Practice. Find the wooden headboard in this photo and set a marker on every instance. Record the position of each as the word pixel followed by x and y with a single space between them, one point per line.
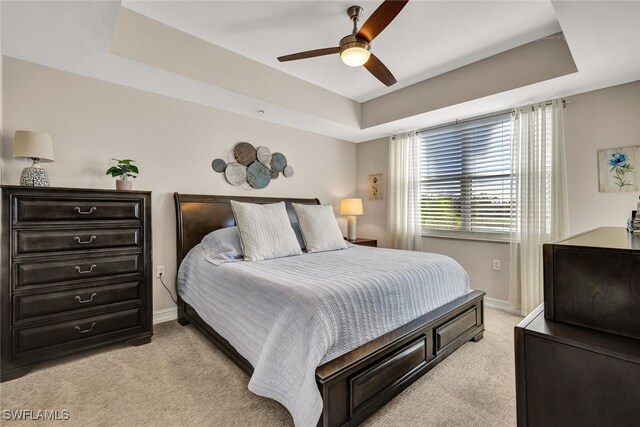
pixel 198 215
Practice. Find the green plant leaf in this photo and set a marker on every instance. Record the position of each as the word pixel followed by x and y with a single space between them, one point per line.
pixel 124 168
pixel 114 171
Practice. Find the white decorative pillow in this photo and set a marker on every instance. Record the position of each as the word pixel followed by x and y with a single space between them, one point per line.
pixel 222 246
pixel 319 228
pixel 265 231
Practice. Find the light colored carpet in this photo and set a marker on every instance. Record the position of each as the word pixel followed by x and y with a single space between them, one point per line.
pixel 181 378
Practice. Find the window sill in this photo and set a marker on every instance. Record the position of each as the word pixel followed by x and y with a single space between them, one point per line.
pixel 460 235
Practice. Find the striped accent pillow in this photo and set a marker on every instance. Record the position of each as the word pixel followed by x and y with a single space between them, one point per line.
pixel 319 228
pixel 265 231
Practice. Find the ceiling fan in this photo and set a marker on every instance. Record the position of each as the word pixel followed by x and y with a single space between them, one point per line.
pixel 355 49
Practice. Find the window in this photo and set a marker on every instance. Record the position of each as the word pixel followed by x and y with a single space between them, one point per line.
pixel 465 176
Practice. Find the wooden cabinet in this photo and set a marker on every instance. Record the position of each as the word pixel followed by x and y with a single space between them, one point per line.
pixel 76 272
pixel 578 354
pixel 568 375
pixel 593 280
pixel 361 241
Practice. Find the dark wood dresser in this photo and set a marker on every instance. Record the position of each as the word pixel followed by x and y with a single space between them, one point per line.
pixel 593 280
pixel 76 272
pixel 578 354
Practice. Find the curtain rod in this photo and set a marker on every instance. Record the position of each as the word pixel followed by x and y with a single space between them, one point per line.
pixel 458 121
pixel 565 101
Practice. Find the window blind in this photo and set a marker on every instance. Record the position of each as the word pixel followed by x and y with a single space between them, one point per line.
pixel 466 174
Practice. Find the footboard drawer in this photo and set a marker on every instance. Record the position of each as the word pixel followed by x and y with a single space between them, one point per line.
pixel 389 371
pixel 456 327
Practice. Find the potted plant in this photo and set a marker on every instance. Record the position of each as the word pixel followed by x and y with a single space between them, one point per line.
pixel 124 169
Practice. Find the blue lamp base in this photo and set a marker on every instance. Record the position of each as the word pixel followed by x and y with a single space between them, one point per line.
pixel 34 177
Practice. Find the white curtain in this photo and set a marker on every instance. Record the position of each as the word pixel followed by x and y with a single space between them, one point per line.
pixel 538 195
pixel 403 215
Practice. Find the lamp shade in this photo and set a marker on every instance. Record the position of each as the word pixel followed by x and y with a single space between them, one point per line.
pixel 351 207
pixel 33 145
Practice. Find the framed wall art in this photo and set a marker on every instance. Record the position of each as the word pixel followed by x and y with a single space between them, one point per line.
pixel 619 169
pixel 375 186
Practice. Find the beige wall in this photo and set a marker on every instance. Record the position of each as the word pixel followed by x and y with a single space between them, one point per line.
pixel 604 118
pixel 600 119
pixel 373 158
pixel 174 142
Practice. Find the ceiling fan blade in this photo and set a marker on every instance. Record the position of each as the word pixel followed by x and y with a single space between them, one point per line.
pixel 380 18
pixel 379 70
pixel 309 54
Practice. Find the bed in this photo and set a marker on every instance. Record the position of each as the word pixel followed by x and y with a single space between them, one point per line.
pixel 356 382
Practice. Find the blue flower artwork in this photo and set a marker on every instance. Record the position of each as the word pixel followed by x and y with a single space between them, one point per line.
pixel 618 160
pixel 618 169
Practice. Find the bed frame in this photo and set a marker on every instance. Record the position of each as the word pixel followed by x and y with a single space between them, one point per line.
pixel 356 384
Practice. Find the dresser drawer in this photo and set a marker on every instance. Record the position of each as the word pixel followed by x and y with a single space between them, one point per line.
pixel 29 306
pixel 76 268
pixel 38 241
pixel 41 337
pixel 77 210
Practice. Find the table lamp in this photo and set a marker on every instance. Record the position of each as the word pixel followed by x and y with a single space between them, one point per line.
pixel 38 147
pixel 351 208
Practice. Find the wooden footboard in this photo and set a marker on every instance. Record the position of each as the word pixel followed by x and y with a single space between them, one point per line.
pixel 358 383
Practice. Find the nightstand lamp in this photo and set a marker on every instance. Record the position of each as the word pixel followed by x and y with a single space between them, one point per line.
pixel 38 147
pixel 351 208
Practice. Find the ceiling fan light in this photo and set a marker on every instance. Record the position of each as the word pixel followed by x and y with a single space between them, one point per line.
pixel 355 54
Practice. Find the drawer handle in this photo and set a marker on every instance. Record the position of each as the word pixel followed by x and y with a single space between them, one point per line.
pixel 86 242
pixel 84 331
pixel 81 301
pixel 77 268
pixel 81 212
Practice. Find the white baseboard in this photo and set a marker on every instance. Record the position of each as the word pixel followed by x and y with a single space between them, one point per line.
pixel 501 305
pixel 165 315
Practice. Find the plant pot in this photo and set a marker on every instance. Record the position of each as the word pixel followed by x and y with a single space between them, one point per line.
pixel 124 184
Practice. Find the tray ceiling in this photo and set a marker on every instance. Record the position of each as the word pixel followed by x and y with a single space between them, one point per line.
pixel 426 39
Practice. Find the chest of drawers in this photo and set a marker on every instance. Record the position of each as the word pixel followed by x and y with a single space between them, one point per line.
pixel 593 280
pixel 76 273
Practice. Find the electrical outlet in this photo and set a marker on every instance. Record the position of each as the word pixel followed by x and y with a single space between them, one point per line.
pixel 160 271
pixel 496 265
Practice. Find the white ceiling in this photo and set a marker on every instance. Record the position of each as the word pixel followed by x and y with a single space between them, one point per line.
pixel 604 38
pixel 427 38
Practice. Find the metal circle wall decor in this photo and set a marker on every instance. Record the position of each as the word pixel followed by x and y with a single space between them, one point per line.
pixel 264 155
pixel 258 175
pixel 278 162
pixel 244 153
pixel 252 168
pixel 231 158
pixel 245 186
pixel 219 165
pixel 235 173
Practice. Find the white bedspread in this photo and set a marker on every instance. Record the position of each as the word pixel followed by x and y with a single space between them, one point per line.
pixel 287 316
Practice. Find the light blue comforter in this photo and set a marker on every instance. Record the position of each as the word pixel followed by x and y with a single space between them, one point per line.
pixel 287 316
